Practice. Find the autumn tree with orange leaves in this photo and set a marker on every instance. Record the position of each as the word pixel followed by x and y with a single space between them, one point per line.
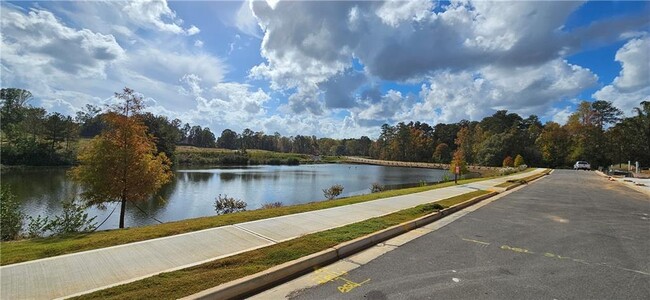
pixel 121 163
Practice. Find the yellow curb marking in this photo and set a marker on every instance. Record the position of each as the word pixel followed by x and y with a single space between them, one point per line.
pixel 324 275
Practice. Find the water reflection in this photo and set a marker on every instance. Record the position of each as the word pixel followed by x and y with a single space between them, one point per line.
pixel 192 191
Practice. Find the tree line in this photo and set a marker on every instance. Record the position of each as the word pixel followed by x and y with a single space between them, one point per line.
pixel 596 132
pixel 31 136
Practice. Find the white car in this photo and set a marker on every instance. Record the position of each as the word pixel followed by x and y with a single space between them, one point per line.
pixel 582 165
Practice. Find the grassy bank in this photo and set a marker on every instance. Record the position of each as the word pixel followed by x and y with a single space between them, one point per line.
pixel 185 282
pixel 188 155
pixel 31 249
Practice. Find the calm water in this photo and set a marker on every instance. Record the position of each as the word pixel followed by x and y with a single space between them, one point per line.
pixel 192 192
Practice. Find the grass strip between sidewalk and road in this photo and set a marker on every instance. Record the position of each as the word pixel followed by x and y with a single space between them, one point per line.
pixel 32 249
pixel 176 284
pixel 524 180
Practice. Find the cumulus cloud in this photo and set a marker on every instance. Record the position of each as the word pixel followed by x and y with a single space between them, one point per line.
pixel 154 14
pixel 193 30
pixel 450 97
pixel 632 85
pixel 41 52
pixel 395 12
pixel 55 47
pixel 390 107
pixel 246 22
pixel 312 43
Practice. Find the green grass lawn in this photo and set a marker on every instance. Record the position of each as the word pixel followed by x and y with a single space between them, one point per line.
pixel 31 249
pixel 176 284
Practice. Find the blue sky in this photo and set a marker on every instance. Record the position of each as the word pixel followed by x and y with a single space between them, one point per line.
pixel 331 69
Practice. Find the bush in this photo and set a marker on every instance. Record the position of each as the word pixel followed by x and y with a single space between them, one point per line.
pixel 437 206
pixel 11 217
pixel 73 219
pixel 519 160
pixel 272 205
pixel 37 227
pixel 293 161
pixel 507 171
pixel 234 159
pixel 274 162
pixel 376 188
pixel 508 162
pixel 226 205
pixel 333 192
pixel 446 177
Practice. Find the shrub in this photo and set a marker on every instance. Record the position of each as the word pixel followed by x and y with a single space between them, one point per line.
pixel 293 161
pixel 508 162
pixel 446 177
pixel 507 171
pixel 437 206
pixel 11 217
pixel 272 205
pixel 376 188
pixel 234 159
pixel 37 227
pixel 519 160
pixel 274 162
pixel 226 205
pixel 73 219
pixel 333 192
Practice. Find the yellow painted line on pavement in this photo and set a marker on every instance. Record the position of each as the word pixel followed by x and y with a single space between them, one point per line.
pixel 325 275
pixel 557 256
pixel 515 249
pixel 475 241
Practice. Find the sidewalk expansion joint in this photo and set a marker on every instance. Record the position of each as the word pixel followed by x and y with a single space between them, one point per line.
pixel 255 234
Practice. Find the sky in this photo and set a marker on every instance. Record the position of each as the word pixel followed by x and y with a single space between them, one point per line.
pixel 329 68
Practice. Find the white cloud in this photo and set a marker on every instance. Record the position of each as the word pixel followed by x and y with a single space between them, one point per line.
pixel 198 43
pixel 634 57
pixel 57 50
pixel 525 90
pixel 394 12
pixel 67 67
pixel 632 85
pixel 560 115
pixel 153 14
pixel 193 30
pixel 246 22
pixel 308 43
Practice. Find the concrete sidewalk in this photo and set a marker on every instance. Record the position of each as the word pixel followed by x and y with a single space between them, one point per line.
pixel 83 272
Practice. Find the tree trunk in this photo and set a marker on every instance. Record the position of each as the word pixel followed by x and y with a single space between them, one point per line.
pixel 122 210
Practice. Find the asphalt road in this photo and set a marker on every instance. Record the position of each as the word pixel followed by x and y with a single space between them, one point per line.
pixel 571 235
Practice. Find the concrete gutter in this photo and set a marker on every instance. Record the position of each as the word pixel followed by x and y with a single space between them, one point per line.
pixel 255 283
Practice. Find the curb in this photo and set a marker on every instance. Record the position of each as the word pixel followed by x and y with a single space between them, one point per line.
pixel 254 283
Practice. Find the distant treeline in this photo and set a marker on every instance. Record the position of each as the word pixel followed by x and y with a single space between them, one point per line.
pixel 595 132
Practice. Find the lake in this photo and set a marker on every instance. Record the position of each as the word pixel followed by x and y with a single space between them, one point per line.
pixel 192 192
